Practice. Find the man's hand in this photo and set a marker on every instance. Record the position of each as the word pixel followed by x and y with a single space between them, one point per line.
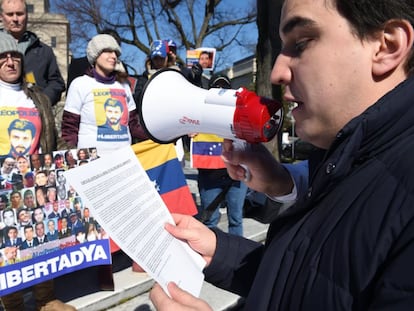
pixel 180 300
pixel 198 236
pixel 266 174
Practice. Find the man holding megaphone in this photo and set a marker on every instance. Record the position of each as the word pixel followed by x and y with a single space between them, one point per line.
pixel 348 244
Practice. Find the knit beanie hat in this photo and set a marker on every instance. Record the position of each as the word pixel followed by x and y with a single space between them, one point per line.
pixel 159 48
pixel 7 43
pixel 98 44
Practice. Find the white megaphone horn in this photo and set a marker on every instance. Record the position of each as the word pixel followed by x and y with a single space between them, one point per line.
pixel 171 107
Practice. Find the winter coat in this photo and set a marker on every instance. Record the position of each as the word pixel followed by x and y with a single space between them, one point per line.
pixel 348 244
pixel 48 136
pixel 41 61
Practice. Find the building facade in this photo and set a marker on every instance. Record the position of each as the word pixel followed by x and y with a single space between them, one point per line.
pixel 52 29
pixel 243 73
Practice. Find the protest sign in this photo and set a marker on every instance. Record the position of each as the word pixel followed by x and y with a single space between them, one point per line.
pixel 205 56
pixel 46 230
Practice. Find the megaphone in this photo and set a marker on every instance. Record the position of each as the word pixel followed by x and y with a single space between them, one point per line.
pixel 170 107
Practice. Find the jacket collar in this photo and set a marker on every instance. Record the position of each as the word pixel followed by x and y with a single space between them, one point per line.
pixel 366 136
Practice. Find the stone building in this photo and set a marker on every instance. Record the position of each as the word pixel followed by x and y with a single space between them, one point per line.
pixel 243 73
pixel 52 29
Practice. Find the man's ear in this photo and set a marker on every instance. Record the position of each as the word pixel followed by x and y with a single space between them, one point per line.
pixel 396 43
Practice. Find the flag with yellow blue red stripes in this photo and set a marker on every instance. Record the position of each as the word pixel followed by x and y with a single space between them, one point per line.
pixel 206 151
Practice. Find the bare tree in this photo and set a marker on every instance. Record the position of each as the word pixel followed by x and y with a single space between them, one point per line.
pixel 191 23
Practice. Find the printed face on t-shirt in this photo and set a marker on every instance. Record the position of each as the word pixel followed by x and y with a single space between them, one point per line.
pixel 21 141
pixel 113 115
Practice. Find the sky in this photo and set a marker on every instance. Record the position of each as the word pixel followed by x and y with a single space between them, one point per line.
pixel 135 58
pixel 224 59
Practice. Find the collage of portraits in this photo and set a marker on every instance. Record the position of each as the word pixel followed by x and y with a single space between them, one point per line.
pixel 39 211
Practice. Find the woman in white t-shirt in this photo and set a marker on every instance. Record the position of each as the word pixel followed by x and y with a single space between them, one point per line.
pixel 100 110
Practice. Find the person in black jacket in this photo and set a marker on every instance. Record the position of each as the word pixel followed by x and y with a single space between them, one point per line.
pixel 348 243
pixel 40 62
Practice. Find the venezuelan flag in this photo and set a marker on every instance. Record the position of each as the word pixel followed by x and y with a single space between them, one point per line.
pixel 206 151
pixel 163 168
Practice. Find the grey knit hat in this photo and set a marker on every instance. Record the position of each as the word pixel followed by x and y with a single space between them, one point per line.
pixel 7 43
pixel 100 43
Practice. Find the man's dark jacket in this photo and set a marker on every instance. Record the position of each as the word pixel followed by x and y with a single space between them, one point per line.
pixel 349 244
pixel 77 67
pixel 40 59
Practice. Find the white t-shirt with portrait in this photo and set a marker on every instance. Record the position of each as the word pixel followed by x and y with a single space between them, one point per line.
pixel 88 98
pixel 17 111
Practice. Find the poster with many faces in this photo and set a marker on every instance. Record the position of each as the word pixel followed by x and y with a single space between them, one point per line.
pixel 45 228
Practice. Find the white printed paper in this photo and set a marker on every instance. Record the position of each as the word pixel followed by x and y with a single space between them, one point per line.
pixel 126 204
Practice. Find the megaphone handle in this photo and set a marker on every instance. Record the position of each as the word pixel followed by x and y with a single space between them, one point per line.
pixel 239 144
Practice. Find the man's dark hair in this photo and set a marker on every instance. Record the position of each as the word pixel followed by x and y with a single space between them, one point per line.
pixel 8 229
pixel 40 224
pixel 58 156
pixel 14 192
pixel 40 159
pixel 28 192
pixel 368 17
pixel 22 125
pixel 113 103
pixel 3 198
pixel 27 227
pixel 206 53
pixel 21 210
